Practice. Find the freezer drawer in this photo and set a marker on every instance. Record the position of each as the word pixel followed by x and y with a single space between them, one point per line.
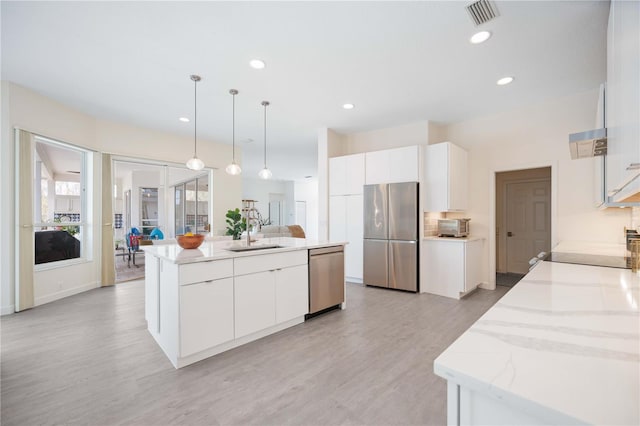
pixel 376 198
pixel 376 270
pixel 403 265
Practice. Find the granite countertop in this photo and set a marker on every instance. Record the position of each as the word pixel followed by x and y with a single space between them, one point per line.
pixel 216 250
pixel 563 345
pixel 585 247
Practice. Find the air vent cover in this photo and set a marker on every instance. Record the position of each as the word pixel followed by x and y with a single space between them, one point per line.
pixel 482 11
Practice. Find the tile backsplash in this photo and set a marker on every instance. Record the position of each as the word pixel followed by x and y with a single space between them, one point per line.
pixel 431 223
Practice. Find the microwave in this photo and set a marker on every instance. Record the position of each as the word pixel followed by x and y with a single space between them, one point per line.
pixel 453 227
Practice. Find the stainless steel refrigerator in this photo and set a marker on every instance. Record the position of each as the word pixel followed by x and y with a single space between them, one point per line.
pixel 391 235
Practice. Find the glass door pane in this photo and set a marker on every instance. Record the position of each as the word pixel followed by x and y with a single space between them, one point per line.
pixel 190 206
pixel 148 210
pixel 179 210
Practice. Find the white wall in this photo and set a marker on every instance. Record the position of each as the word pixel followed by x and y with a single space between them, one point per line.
pixel 31 111
pixel 392 137
pixel 260 190
pixel 536 136
pixel 308 192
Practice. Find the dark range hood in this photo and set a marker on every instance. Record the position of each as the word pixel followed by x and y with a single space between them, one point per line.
pixel 588 144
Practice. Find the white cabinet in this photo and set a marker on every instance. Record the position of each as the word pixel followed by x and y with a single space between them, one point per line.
pixel 451 267
pixel 273 290
pixel 445 180
pixel 346 224
pixel 623 99
pixel 206 315
pixel 67 204
pixel 346 174
pixel 392 165
pixel 255 302
pixel 292 293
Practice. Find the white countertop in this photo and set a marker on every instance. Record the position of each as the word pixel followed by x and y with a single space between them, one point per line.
pixel 563 344
pixel 454 239
pixel 215 250
pixel 584 247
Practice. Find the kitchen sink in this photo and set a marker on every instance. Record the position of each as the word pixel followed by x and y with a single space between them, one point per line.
pixel 253 247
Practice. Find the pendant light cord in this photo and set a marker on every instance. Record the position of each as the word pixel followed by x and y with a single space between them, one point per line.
pixel 265 136
pixel 195 117
pixel 233 127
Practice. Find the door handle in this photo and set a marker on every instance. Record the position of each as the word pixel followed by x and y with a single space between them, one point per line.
pixel 509 234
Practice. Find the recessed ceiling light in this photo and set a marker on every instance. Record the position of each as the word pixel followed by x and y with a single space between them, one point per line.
pixel 504 80
pixel 480 37
pixel 348 106
pixel 257 64
pixel 184 119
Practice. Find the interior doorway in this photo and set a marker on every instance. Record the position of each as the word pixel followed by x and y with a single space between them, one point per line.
pixel 523 221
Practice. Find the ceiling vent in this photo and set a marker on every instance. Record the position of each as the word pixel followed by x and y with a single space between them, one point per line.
pixel 482 11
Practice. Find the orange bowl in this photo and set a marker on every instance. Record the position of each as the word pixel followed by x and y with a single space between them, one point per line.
pixel 190 241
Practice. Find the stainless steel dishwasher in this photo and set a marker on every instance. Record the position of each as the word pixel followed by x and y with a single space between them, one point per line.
pixel 326 278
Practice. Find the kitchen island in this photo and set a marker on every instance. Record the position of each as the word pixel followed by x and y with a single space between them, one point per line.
pixel 205 301
pixel 561 347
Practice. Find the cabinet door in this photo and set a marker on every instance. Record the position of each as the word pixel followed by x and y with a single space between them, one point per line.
pixel 623 98
pixel 355 173
pixel 403 164
pixel 473 265
pixel 457 173
pixel 338 176
pixel 376 168
pixel 444 267
pixel 255 302
pixel 338 218
pixel 151 292
pixel 436 167
pixel 355 224
pixel 206 315
pixel 292 293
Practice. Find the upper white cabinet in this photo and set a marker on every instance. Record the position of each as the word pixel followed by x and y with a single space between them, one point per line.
pixel 392 165
pixel 445 183
pixel 346 174
pixel 623 99
pixel 67 204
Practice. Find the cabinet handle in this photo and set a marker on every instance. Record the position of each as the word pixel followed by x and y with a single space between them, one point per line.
pixel 634 166
pixel 509 234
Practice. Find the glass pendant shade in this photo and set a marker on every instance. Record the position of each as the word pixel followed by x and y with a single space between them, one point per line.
pixel 233 169
pixel 265 173
pixel 195 164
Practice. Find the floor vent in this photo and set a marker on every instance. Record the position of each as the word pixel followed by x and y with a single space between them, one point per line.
pixel 482 11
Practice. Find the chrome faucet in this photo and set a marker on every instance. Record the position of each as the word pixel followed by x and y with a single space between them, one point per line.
pixel 248 207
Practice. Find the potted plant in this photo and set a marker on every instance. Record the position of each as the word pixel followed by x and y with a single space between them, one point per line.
pixel 236 224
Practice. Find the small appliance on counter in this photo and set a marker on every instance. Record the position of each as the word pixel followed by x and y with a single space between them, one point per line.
pixel 453 228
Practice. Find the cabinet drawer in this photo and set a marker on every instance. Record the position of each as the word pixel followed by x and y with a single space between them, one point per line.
pixel 205 271
pixel 269 262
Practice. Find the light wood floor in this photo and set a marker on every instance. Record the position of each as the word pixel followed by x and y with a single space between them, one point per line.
pixel 88 359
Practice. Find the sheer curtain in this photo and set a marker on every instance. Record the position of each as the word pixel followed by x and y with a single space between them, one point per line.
pixel 108 267
pixel 25 245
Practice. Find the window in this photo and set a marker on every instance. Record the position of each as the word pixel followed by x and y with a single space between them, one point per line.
pixel 60 201
pixel 192 206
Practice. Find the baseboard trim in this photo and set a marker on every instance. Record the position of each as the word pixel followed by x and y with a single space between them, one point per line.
pixel 7 310
pixel 65 293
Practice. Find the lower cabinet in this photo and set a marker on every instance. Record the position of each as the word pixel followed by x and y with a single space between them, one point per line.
pixel 451 267
pixel 292 293
pixel 264 299
pixel 255 302
pixel 206 315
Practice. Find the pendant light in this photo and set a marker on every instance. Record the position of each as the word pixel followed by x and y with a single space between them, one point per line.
pixel 195 163
pixel 233 168
pixel 265 173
